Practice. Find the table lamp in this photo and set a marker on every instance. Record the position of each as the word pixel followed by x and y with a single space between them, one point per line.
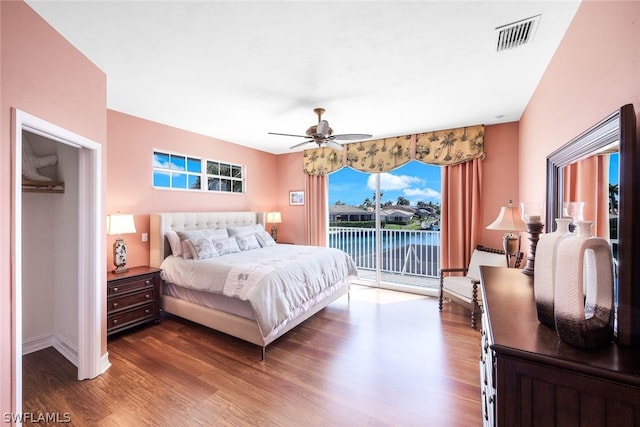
pixel 274 218
pixel 509 220
pixel 120 224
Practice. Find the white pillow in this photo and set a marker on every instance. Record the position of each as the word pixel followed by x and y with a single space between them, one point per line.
pixel 202 248
pixel 265 239
pixel 186 235
pixel 245 229
pixel 226 246
pixel 217 233
pixel 247 241
pixel 206 233
pixel 174 243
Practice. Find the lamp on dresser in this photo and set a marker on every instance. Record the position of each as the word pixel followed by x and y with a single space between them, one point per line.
pixel 509 220
pixel 274 218
pixel 119 224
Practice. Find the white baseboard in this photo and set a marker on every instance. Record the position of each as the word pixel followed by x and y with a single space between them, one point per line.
pixel 36 344
pixel 65 348
pixel 104 363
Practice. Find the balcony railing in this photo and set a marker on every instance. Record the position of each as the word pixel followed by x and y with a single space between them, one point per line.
pixel 402 252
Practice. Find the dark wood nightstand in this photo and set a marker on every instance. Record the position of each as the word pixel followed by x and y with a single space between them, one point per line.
pixel 133 298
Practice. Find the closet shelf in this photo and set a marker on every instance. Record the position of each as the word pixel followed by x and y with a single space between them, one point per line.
pixel 29 186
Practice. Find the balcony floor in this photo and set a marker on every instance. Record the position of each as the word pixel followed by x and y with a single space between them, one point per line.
pixel 406 282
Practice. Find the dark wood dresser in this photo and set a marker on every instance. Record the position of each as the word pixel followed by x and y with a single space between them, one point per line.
pixel 529 377
pixel 133 298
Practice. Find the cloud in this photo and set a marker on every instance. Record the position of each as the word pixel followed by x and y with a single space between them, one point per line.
pixel 390 182
pixel 421 193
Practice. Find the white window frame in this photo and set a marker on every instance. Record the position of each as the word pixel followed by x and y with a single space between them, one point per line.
pixel 203 175
pixel 230 177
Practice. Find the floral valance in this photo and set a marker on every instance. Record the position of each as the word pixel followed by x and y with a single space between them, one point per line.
pixel 451 146
pixel 444 147
pixel 379 155
pixel 322 161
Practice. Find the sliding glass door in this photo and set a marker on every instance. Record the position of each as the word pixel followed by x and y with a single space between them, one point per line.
pixel 389 223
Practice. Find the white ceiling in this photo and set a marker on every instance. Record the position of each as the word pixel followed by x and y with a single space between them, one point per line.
pixel 235 70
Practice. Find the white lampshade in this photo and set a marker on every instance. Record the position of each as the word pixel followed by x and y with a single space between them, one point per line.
pixel 274 217
pixel 120 224
pixel 508 220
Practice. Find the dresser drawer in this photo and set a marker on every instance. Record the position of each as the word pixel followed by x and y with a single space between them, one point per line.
pixel 123 302
pixel 124 286
pixel 130 317
pixel 133 298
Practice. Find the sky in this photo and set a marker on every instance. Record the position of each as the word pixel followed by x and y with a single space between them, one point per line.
pixel 415 181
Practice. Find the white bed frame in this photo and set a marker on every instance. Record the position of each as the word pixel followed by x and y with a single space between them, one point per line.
pixel 237 326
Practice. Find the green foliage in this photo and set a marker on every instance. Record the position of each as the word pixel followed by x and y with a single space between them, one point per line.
pixel 355 224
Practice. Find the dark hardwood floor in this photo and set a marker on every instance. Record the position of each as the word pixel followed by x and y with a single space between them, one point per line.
pixel 383 358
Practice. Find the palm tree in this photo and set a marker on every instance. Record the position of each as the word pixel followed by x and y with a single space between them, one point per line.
pixel 613 198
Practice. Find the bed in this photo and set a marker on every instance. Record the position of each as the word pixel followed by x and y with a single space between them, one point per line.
pixel 256 294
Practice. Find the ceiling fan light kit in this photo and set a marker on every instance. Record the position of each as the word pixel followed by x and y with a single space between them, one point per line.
pixel 322 134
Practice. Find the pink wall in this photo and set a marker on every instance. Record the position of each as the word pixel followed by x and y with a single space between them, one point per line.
pixel 500 174
pixel 129 177
pixel 290 178
pixel 595 71
pixel 43 75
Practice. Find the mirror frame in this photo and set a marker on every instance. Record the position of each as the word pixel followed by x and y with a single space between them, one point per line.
pixel 619 126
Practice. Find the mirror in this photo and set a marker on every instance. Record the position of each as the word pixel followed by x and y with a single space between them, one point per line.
pixel 620 128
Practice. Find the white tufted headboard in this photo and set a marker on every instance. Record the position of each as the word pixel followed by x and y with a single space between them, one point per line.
pixel 179 221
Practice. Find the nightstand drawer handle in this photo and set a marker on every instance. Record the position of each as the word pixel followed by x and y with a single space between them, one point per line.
pixel 146 311
pixel 147 296
pixel 147 282
pixel 115 321
pixel 115 304
pixel 115 289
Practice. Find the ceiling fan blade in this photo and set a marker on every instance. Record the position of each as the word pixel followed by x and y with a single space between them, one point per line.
pixel 334 145
pixel 288 134
pixel 301 144
pixel 351 136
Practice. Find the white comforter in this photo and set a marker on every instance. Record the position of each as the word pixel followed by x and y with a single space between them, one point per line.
pixel 278 281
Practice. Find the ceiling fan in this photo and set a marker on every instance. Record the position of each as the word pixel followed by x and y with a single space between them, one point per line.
pixel 323 134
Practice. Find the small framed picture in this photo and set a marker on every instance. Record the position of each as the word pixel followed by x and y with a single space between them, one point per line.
pixel 296 197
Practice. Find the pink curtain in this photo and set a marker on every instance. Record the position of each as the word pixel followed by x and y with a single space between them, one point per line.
pixel 461 219
pixel 316 210
pixel 588 181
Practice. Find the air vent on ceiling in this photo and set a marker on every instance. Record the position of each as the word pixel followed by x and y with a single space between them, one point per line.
pixel 516 34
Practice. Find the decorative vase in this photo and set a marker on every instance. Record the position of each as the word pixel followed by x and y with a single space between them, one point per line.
pixel 544 271
pixel 584 289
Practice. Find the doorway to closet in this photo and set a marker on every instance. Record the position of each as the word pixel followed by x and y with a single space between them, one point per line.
pixel 57 253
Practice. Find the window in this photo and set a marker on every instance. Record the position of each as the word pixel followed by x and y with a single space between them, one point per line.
pixel 179 171
pixel 176 171
pixel 224 177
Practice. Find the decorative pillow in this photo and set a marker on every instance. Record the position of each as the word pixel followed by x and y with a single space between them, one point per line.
pixel 247 241
pixel 245 229
pixel 214 233
pixel 265 239
pixel 201 248
pixel 186 235
pixel 174 243
pixel 226 246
